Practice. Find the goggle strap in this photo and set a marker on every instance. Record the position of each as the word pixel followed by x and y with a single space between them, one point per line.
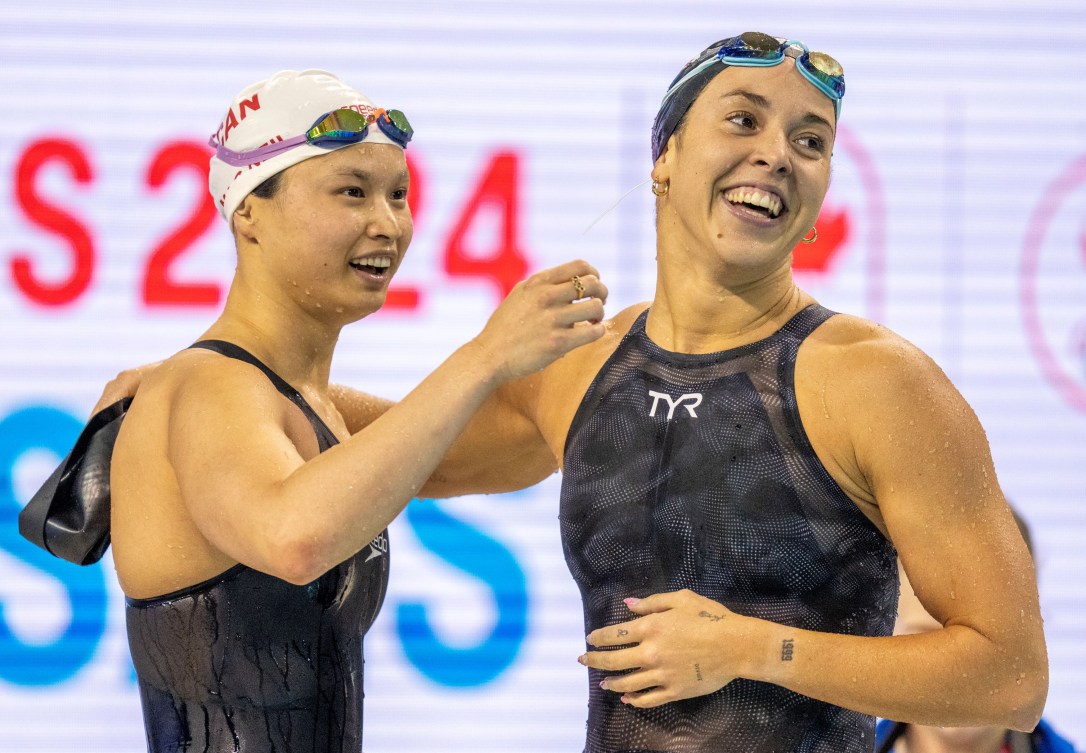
pixel 253 156
pixel 693 72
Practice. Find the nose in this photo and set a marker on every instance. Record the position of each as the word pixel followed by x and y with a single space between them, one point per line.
pixel 772 151
pixel 387 222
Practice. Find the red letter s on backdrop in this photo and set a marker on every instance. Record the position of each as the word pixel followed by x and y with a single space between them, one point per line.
pixel 46 215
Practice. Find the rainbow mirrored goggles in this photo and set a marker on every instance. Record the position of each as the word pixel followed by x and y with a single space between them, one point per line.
pixel 753 48
pixel 343 126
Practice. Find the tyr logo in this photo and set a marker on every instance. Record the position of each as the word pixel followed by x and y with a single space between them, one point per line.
pixel 693 400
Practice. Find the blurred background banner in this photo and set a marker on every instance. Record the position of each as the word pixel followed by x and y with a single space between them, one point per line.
pixel 957 217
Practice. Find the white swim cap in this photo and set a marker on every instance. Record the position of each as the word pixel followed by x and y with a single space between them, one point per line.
pixel 283 107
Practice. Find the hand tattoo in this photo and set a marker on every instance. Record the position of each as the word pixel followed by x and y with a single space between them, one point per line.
pixel 787 649
pixel 697 671
pixel 713 617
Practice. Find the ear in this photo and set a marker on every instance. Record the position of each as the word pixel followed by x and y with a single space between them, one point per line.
pixel 244 221
pixel 661 170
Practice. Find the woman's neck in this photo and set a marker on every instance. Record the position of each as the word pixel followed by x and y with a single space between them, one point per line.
pixel 694 313
pixel 294 345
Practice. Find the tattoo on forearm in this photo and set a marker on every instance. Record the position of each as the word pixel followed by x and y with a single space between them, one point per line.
pixel 788 647
pixel 622 632
pixel 697 671
pixel 713 617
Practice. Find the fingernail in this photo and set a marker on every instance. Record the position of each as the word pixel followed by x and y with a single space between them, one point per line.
pixel 624 699
pixel 581 659
pixel 603 684
pixel 631 601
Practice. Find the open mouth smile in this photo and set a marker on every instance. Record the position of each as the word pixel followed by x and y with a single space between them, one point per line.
pixel 378 265
pixel 756 200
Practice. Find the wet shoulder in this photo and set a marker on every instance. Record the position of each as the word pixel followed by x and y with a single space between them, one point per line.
pixel 583 364
pixel 197 376
pixel 856 363
pixel 860 349
pixel 559 389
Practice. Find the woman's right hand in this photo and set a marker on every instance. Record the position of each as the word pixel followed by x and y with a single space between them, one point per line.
pixel 543 318
pixel 123 385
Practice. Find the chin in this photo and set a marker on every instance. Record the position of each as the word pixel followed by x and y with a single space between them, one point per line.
pixel 962 736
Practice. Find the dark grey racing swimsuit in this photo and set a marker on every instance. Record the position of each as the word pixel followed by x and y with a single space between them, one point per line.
pixel 694 471
pixel 247 663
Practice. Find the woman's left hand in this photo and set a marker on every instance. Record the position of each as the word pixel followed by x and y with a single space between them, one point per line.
pixel 682 645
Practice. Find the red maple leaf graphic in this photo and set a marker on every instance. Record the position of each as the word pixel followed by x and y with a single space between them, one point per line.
pixel 833 232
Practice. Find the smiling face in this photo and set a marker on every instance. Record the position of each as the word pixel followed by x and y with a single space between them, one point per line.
pixel 335 232
pixel 748 168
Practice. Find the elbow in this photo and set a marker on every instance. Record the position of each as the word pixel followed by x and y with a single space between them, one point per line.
pixel 1028 702
pixel 1024 694
pixel 296 557
pixel 298 565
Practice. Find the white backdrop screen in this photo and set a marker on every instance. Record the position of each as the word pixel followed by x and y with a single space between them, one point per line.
pixel 956 216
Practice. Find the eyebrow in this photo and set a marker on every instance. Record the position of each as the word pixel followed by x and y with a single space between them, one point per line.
pixel 366 177
pixel 760 101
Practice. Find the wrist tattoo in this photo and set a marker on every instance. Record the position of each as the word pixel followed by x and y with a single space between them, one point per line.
pixel 713 617
pixel 697 671
pixel 787 649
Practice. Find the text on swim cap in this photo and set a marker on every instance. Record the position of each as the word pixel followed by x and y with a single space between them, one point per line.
pixel 232 120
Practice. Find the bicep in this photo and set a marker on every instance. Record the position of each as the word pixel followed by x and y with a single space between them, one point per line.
pixel 229 451
pixel 929 466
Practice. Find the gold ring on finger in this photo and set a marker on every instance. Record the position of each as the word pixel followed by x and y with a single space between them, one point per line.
pixel 578 287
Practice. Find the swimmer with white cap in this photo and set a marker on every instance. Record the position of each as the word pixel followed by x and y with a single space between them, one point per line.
pixel 249 519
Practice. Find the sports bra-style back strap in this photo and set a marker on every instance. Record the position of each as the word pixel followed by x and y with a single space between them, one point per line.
pixel 325 437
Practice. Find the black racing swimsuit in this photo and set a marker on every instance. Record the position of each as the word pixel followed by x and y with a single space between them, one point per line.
pixel 247 663
pixel 694 471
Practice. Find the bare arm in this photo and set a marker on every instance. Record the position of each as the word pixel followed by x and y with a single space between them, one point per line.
pixel 925 462
pixel 312 515
pixel 500 449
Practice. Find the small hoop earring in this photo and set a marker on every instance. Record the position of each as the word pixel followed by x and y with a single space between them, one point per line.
pixel 810 238
pixel 658 188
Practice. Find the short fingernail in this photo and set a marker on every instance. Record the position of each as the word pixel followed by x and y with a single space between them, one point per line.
pixel 630 601
pixel 603 684
pixel 581 659
pixel 624 699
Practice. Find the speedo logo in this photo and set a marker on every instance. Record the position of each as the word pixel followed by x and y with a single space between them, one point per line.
pixel 378 546
pixel 690 401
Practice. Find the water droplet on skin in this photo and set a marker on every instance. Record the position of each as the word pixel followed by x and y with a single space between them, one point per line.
pixel 953 596
pixel 339 309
